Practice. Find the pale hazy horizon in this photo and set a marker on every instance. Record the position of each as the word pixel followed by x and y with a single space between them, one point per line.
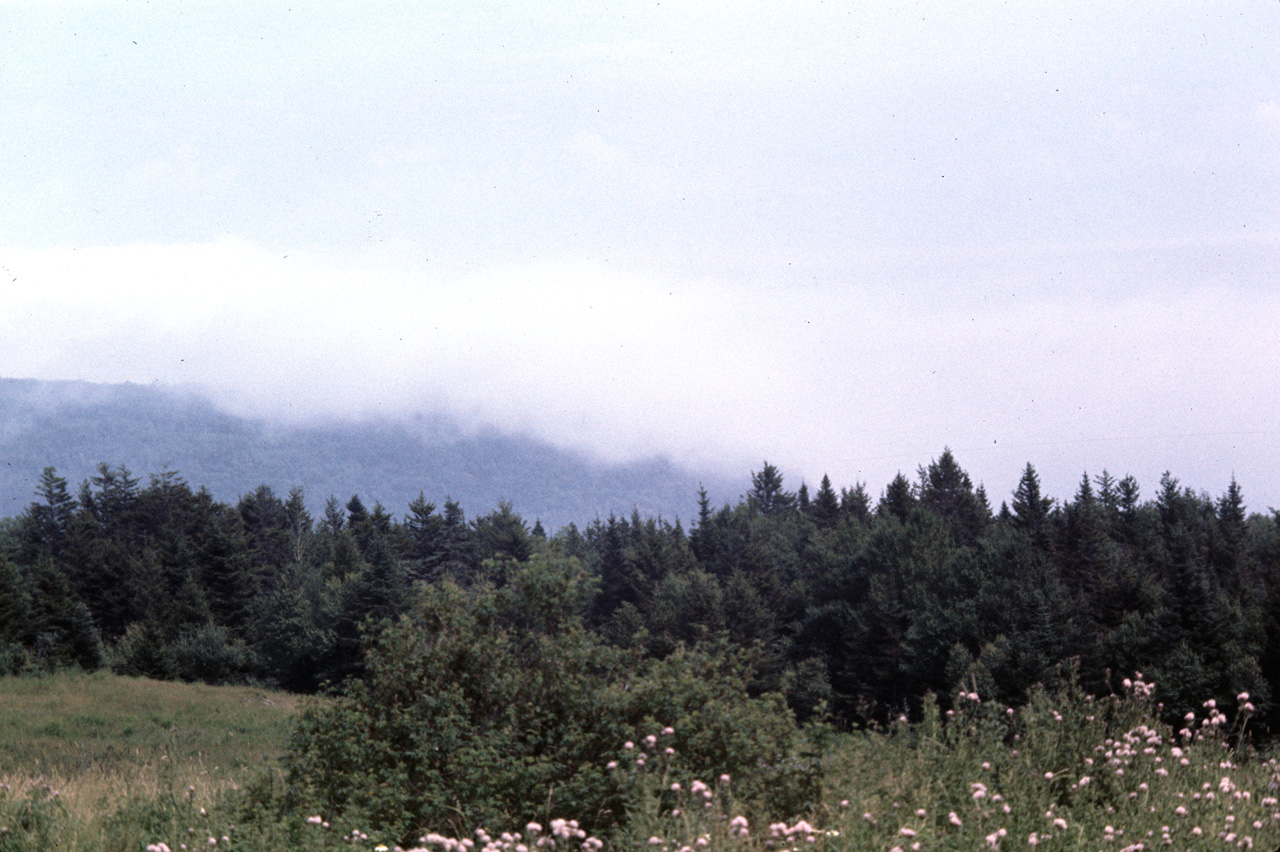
pixel 838 239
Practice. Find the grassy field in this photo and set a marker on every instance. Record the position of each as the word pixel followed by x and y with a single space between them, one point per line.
pixel 98 763
pixel 96 741
pixel 72 723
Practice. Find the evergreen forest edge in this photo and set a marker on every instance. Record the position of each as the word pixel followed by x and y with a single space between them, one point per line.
pixel 827 609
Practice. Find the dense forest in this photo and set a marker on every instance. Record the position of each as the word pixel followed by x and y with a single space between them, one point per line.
pixel 851 607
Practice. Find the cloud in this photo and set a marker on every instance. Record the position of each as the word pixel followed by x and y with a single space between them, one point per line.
pixel 857 381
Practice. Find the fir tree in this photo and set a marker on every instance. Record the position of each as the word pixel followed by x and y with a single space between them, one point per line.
pixel 947 491
pixel 298 523
pixel 702 539
pixel 898 500
pixel 855 503
pixel 335 518
pixel 766 495
pixel 1030 510
pixel 48 521
pixel 1229 532
pixel 825 510
pixel 501 534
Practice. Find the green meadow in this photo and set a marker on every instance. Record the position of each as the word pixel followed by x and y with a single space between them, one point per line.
pixel 72 723
pixel 101 762
pixel 82 747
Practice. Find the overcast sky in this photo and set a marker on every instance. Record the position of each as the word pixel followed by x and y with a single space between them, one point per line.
pixel 838 236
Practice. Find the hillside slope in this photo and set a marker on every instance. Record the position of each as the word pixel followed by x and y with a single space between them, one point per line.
pixel 74 426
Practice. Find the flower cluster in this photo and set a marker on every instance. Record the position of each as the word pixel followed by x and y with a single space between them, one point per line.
pixel 564 833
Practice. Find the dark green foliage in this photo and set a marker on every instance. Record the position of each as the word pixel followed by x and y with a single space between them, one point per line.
pixel 501 534
pixel 825 510
pixel 832 602
pixel 208 653
pixel 271 536
pixel 426 533
pixel 1030 510
pixel 142 652
pixel 292 632
pixel 48 521
pixel 947 492
pixel 63 628
pixel 492 705
pixel 898 500
pixel 855 503
pixel 766 495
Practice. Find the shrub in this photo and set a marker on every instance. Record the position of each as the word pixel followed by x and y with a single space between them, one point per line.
pixel 209 654
pixel 493 705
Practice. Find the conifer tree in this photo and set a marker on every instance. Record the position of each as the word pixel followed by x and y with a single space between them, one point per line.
pixel 501 534
pixel 825 510
pixel 15 605
pixel 459 557
pixel 64 628
pixel 1089 551
pixel 855 503
pixel 766 495
pixel 1228 539
pixel 335 518
pixel 48 521
pixel 426 529
pixel 898 500
pixel 947 491
pixel 266 528
pixel 702 538
pixel 298 523
pixel 1108 492
pixel 1030 510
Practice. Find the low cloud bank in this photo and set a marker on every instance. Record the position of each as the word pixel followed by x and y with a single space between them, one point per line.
pixel 858 381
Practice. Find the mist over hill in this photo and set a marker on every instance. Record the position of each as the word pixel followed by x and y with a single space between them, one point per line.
pixel 74 426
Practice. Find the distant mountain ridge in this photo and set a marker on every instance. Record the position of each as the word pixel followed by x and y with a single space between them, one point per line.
pixel 74 426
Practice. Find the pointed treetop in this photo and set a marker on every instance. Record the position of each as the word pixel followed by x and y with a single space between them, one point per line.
pixel 825 509
pixel 1029 508
pixel 766 492
pixel 898 500
pixel 1084 495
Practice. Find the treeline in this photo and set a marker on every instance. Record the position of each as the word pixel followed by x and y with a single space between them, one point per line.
pixel 846 605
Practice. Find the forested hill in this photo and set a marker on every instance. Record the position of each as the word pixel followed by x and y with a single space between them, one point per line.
pixel 75 426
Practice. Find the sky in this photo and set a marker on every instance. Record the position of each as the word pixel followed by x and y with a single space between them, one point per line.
pixel 836 236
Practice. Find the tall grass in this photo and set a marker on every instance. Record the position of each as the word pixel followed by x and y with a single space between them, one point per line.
pixel 79 750
pixel 1068 771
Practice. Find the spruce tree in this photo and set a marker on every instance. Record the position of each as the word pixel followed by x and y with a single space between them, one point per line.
pixel 947 491
pixel 855 503
pixel 335 518
pixel 825 510
pixel 766 495
pixel 898 500
pixel 426 529
pixel 48 521
pixel 1030 510
pixel 1229 533
pixel 702 538
pixel 501 534
pixel 298 523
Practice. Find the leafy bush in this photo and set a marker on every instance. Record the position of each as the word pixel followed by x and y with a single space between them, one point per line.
pixel 208 653
pixel 493 705
pixel 141 652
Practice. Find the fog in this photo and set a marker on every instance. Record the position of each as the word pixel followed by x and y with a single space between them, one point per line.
pixel 859 383
pixel 836 238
